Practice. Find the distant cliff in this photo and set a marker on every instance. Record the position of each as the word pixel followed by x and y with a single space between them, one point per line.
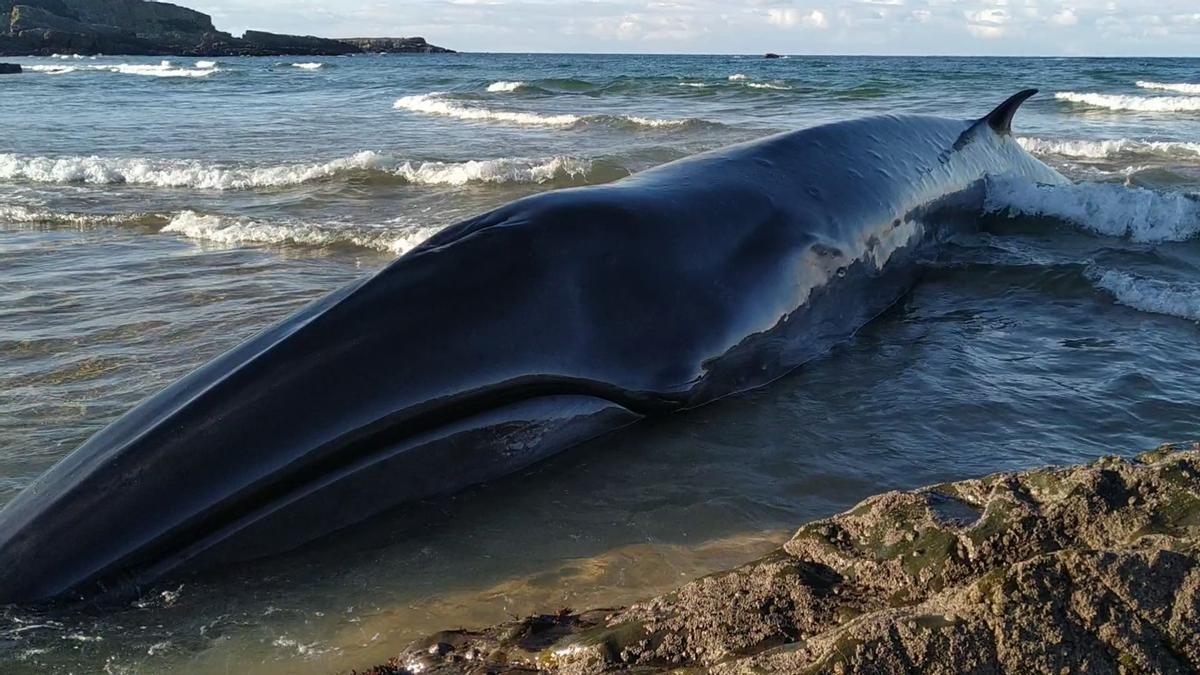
pixel 408 45
pixel 158 28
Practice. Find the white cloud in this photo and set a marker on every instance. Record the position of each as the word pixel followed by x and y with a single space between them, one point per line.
pixel 987 23
pixel 1066 17
pixel 1103 27
pixel 791 17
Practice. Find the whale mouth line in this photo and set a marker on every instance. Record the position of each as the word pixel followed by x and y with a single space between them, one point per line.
pixel 346 454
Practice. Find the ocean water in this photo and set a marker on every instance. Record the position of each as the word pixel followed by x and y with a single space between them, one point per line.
pixel 153 214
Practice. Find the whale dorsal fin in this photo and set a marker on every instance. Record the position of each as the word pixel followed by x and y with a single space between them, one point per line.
pixel 1000 119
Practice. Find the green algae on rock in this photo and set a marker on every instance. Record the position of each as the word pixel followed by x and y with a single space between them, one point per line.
pixel 1087 569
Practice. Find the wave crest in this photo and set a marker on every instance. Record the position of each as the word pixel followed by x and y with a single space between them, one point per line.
pixel 1180 87
pixel 173 173
pixel 503 86
pixel 1173 298
pixel 1102 149
pixel 436 103
pixel 1133 103
pixel 25 215
pixel 495 171
pixel 162 69
pixel 1102 208
pixel 390 238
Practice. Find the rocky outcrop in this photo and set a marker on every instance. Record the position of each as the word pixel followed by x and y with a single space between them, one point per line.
pixel 297 44
pixel 150 28
pixel 1091 569
pixel 386 45
pixel 10 68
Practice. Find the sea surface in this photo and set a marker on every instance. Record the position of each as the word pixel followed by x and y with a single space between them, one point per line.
pixel 153 214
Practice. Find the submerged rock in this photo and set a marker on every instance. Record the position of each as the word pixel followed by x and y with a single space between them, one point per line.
pixel 10 68
pixel 1087 569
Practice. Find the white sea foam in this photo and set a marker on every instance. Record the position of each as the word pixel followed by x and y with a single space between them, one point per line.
pixel 653 122
pixel 505 86
pixel 1103 208
pixel 435 103
pixel 52 70
pixel 308 66
pixel 494 171
pixel 1174 298
pixel 737 77
pixel 175 173
pixel 1180 87
pixel 1107 148
pixel 767 85
pixel 25 215
pixel 162 69
pixel 1133 103
pixel 393 238
pixel 697 85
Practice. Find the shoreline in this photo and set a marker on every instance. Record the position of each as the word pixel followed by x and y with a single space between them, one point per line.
pixel 1087 568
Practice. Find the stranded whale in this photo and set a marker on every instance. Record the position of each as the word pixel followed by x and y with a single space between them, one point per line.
pixel 507 338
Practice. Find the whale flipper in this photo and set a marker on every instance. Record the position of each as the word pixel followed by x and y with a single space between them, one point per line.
pixel 1000 119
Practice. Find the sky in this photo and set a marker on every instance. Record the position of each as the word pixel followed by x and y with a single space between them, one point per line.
pixel 969 27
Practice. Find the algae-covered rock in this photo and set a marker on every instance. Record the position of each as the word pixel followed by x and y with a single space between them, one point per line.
pixel 1088 569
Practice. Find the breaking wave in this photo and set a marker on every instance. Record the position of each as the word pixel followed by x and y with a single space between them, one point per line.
pixel 436 103
pixel 768 85
pixel 175 173
pixel 1134 103
pixel 503 86
pixel 51 70
pixel 1102 208
pixel 25 215
pixel 391 237
pixel 1173 298
pixel 162 69
pixel 496 171
pixel 737 77
pixel 1180 87
pixel 308 66
pixel 1102 149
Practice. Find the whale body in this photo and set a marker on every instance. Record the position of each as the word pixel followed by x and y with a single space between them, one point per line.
pixel 506 338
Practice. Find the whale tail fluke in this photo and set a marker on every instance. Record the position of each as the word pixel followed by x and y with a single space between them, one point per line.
pixel 1000 119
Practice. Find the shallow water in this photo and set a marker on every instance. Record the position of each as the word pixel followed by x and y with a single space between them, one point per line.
pixel 152 216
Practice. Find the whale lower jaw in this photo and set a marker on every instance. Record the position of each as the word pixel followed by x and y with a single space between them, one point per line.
pixel 439 452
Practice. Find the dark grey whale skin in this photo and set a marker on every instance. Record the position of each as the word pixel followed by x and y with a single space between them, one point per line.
pixel 505 339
